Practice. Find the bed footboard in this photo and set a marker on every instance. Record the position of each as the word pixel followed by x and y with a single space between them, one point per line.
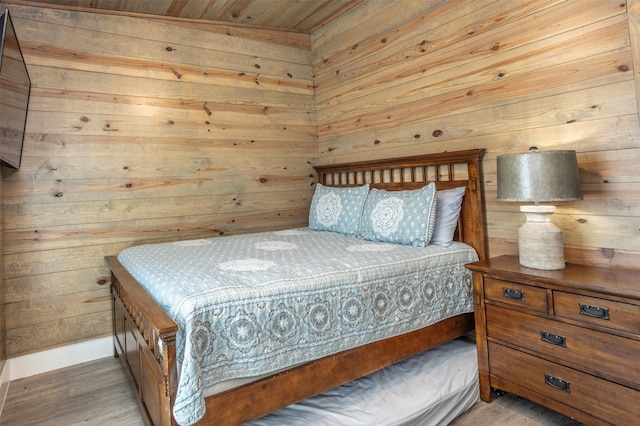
pixel 144 338
pixel 264 396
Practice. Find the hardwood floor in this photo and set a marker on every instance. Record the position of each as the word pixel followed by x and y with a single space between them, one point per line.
pixel 93 393
pixel 510 410
pixel 98 393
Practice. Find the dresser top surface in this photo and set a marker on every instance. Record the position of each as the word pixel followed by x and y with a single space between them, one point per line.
pixel 618 282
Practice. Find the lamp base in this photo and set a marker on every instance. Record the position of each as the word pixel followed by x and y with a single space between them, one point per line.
pixel 539 240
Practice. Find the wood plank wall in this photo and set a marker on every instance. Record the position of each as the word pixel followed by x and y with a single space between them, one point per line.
pixel 143 131
pixel 3 315
pixel 410 77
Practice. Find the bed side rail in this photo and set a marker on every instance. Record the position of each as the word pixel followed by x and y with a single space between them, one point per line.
pixel 145 340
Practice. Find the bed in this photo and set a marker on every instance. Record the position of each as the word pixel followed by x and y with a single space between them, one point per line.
pixel 152 347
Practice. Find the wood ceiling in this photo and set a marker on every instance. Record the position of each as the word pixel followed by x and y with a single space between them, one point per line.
pixel 304 16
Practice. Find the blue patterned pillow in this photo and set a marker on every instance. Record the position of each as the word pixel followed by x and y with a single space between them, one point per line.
pixel 337 209
pixel 403 217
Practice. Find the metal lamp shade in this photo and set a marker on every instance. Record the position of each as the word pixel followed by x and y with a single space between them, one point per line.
pixel 539 176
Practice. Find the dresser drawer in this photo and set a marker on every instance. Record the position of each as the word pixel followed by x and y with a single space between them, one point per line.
pixel 521 295
pixel 613 357
pixel 606 400
pixel 593 310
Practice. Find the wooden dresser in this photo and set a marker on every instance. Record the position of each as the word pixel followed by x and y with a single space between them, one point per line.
pixel 568 340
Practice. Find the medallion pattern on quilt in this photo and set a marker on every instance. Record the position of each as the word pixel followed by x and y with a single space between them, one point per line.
pixel 287 297
pixel 294 321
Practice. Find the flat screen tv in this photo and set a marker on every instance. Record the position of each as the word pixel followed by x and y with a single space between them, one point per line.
pixel 15 87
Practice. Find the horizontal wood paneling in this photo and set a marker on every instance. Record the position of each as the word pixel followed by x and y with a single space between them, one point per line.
pixel 143 131
pixel 503 76
pixel 474 87
pixel 303 16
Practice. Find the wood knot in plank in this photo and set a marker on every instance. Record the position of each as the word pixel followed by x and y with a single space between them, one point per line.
pixel 437 133
pixel 102 280
pixel 608 253
pixel 176 73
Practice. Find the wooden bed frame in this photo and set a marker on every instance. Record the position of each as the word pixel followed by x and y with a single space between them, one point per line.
pixel 145 336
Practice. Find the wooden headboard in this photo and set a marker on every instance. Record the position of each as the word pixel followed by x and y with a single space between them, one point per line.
pixel 448 170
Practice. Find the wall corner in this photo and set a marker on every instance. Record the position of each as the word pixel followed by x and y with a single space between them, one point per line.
pixel 633 8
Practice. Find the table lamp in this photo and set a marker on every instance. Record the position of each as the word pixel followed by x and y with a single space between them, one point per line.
pixel 539 176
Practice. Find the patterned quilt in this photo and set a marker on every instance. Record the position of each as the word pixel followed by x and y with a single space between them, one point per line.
pixel 251 304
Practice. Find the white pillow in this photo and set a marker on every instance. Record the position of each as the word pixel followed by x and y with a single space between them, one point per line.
pixel 447 212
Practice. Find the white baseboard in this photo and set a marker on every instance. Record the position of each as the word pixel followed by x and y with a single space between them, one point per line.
pixel 65 356
pixel 4 384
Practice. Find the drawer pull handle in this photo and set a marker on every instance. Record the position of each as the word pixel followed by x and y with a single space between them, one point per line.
pixel 594 311
pixel 512 293
pixel 553 339
pixel 557 383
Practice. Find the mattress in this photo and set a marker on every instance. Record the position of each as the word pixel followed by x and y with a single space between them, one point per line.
pixel 252 304
pixel 431 388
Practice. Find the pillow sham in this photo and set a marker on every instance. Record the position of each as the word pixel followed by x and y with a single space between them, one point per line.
pixel 337 209
pixel 449 204
pixel 403 217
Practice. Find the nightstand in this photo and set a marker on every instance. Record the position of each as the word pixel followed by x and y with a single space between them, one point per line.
pixel 568 340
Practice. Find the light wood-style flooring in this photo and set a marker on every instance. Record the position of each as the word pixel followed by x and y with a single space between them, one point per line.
pixel 98 393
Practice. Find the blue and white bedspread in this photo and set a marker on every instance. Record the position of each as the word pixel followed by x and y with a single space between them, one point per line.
pixel 251 304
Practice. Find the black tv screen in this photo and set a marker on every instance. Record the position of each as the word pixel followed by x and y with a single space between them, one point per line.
pixel 15 87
